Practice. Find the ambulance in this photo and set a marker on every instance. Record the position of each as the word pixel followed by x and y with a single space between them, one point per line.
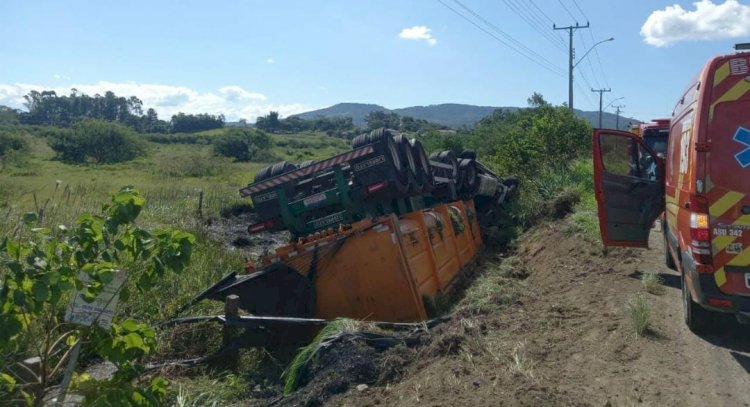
pixel 702 186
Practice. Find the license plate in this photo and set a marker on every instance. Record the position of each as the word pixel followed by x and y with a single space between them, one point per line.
pixel 747 280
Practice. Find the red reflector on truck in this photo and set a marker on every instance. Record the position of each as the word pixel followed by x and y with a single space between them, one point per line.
pixel 375 187
pixel 260 227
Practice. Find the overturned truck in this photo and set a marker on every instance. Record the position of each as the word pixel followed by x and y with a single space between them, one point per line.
pixel 378 232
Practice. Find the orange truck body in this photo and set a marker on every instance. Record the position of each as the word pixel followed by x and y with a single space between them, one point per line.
pixel 705 185
pixel 389 268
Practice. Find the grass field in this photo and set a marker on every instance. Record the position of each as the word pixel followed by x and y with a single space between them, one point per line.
pixel 171 176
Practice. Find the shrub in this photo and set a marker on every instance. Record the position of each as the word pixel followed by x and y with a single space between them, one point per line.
pixel 10 142
pixel 639 314
pixel 96 141
pixel 242 144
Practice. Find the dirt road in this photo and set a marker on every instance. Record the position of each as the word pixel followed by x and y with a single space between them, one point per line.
pixel 567 340
pixel 709 369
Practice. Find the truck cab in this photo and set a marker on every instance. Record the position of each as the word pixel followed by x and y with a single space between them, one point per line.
pixel 702 185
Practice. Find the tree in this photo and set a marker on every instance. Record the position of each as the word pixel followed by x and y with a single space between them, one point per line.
pixel 536 100
pixel 96 141
pixel 42 268
pixel 191 123
pixel 242 144
pixel 525 141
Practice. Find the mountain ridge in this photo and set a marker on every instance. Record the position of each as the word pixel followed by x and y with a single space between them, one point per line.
pixel 454 115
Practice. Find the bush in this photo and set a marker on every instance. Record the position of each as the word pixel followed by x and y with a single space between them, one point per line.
pixel 10 142
pixel 96 141
pixel 242 144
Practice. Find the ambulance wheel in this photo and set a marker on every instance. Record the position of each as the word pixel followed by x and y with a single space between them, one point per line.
pixel 697 318
pixel 668 260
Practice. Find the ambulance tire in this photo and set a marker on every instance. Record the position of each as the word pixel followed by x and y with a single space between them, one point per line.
pixel 697 318
pixel 668 260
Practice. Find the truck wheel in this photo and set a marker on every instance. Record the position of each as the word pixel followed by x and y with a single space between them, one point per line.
pixel 263 173
pixel 282 167
pixel 407 157
pixel 668 260
pixel 423 164
pixel 697 318
pixel 467 172
pixel 447 157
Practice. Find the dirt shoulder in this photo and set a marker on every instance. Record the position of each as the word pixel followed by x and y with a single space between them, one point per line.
pixel 565 339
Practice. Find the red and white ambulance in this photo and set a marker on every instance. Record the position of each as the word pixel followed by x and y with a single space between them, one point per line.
pixel 702 186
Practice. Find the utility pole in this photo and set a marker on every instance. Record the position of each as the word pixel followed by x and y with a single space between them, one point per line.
pixel 618 111
pixel 571 52
pixel 601 92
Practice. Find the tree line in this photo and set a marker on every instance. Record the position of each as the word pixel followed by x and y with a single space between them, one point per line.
pixel 49 108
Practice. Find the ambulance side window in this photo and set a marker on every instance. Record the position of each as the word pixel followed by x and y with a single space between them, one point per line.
pixel 624 156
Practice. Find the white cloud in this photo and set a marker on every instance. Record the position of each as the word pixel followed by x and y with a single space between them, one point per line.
pixel 418 32
pixel 232 101
pixel 709 21
pixel 270 61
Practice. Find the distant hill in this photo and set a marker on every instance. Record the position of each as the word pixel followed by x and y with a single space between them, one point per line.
pixel 447 114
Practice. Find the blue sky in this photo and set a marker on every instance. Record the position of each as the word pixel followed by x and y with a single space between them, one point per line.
pixel 244 58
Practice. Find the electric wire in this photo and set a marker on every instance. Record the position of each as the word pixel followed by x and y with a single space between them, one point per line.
pixel 567 10
pixel 501 32
pixel 535 22
pixel 596 52
pixel 541 12
pixel 550 66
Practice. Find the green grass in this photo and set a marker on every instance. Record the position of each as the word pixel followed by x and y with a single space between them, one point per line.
pixel 639 314
pixel 293 372
pixel 652 283
pixel 171 176
pixel 495 288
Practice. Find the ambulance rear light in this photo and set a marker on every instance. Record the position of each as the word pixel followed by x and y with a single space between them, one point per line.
pixel 700 238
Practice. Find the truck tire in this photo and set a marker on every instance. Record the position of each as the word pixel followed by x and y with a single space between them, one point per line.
pixel 448 157
pixel 407 157
pixel 697 318
pixel 307 163
pixel 423 164
pixel 360 141
pixel 282 167
pixel 467 172
pixel 394 170
pixel 470 154
pixel 274 170
pixel 263 173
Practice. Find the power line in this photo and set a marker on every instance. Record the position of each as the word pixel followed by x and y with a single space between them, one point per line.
pixel 559 35
pixel 596 52
pixel 567 11
pixel 585 46
pixel 501 32
pixel 550 66
pixel 535 22
pixel 579 9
